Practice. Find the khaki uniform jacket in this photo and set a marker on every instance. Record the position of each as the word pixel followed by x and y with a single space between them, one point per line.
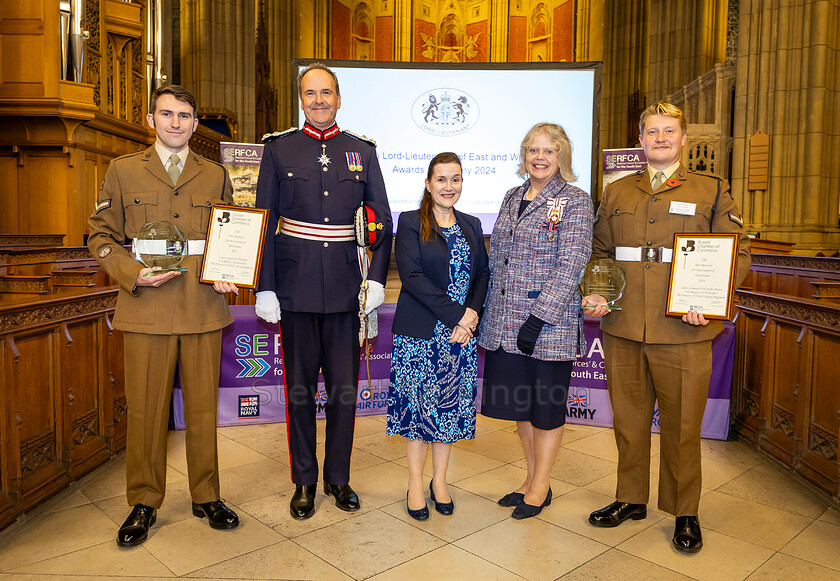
pixel 632 215
pixel 137 190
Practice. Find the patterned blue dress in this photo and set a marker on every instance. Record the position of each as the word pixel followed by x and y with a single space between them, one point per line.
pixel 433 382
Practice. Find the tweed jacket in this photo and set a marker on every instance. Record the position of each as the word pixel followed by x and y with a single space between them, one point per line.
pixel 535 265
pixel 632 215
pixel 137 190
pixel 425 275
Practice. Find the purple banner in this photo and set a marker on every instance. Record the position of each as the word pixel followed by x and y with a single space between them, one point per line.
pixel 627 159
pixel 251 388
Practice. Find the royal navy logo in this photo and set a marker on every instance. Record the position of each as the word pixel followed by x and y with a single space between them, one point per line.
pixel 249 406
pixel 445 112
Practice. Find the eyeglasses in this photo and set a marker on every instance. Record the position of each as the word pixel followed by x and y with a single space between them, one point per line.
pixel 536 151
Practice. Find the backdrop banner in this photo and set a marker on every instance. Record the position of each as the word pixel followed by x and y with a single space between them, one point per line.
pixel 251 388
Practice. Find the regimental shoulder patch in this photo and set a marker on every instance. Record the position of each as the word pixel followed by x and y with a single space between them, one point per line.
pixel 272 136
pixel 364 138
pixel 104 251
pixel 102 205
pixel 736 219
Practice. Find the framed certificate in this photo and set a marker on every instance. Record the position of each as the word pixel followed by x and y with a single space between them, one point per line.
pixel 702 275
pixel 234 245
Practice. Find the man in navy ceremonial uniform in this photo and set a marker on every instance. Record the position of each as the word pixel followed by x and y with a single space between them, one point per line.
pixel 312 181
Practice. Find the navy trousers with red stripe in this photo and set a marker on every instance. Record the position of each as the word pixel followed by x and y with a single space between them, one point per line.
pixel 313 342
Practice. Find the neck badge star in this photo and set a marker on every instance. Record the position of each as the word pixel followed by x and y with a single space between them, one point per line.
pixel 324 160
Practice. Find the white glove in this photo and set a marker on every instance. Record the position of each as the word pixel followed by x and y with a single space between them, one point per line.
pixel 375 295
pixel 267 307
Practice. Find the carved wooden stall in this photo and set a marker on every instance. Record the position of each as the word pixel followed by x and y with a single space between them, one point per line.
pixel 786 386
pixel 62 400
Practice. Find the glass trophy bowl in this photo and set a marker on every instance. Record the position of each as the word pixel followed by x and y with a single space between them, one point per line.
pixel 603 276
pixel 161 246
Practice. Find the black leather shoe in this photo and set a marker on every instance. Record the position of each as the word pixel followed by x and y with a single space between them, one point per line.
pixel 525 510
pixel 219 516
pixel 687 537
pixel 444 508
pixel 345 498
pixel 302 504
pixel 511 500
pixel 420 514
pixel 616 513
pixel 135 529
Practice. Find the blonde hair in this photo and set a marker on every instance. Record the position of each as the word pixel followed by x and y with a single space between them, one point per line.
pixel 557 136
pixel 662 108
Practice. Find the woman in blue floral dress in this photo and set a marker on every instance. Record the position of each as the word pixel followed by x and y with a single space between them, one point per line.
pixel 444 271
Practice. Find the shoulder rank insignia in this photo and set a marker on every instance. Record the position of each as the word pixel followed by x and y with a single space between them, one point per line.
pixel 736 219
pixel 104 204
pixel 360 137
pixel 271 136
pixel 707 174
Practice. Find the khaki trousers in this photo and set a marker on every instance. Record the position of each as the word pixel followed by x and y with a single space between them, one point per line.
pixel 677 376
pixel 149 373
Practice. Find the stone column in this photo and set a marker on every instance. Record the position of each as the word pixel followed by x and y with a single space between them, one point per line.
pixel 312 24
pixel 687 39
pixel 589 37
pixel 625 74
pixel 402 30
pixel 281 29
pixel 218 57
pixel 499 33
pixel 788 68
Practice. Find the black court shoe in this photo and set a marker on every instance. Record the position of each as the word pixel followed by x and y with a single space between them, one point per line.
pixel 419 514
pixel 525 510
pixel 444 508
pixel 511 500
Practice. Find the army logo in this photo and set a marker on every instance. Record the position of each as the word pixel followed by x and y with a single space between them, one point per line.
pixel 445 112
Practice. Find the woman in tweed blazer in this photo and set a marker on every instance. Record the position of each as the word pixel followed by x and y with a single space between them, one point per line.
pixel 532 326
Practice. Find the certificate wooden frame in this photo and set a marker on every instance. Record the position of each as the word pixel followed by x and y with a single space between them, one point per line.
pixel 703 275
pixel 234 245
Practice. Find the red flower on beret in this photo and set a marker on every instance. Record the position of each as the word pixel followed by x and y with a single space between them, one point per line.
pixel 672 182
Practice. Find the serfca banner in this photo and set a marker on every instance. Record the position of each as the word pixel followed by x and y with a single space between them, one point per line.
pixel 617 163
pixel 242 161
pixel 252 388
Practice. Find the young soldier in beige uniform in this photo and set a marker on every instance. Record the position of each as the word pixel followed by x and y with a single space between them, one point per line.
pixel 650 356
pixel 167 318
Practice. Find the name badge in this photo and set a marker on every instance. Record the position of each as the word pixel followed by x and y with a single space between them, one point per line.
pixel 684 208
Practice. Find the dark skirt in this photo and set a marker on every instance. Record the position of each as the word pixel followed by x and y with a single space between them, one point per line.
pixel 524 389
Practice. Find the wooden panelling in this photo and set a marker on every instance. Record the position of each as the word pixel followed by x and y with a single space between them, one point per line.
pixel 37 469
pixel 819 456
pixel 781 438
pixel 60 385
pixel 750 348
pixel 790 275
pixel 786 389
pixel 81 356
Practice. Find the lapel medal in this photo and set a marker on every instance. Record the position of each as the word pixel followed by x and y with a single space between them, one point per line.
pixel 354 161
pixel 555 214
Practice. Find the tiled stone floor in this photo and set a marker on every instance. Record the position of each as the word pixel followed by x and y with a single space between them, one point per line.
pixel 758 523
